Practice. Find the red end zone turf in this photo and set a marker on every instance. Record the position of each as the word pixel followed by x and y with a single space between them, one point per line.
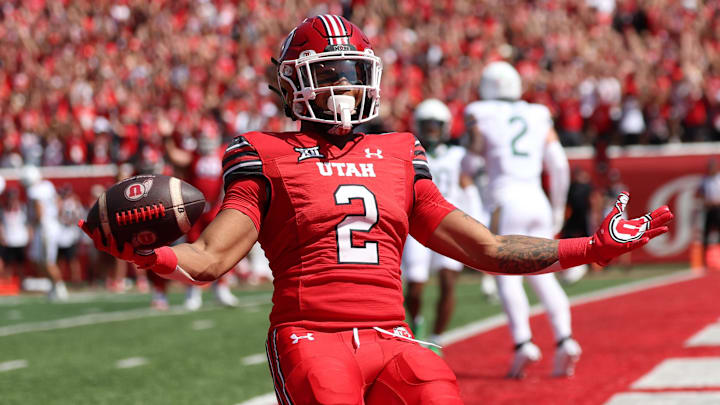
pixel 623 338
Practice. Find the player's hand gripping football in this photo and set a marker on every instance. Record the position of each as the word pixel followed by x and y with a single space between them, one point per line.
pixel 110 246
pixel 617 235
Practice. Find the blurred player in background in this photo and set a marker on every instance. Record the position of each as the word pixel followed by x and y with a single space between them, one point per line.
pixel 709 192
pixel 15 232
pixel 70 211
pixel 43 214
pixel 432 120
pixel 203 169
pixel 332 209
pixel 518 139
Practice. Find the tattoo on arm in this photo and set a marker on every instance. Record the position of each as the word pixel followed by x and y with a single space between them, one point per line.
pixel 525 254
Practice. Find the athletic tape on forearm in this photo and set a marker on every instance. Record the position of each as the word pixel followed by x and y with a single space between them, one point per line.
pixel 166 266
pixel 574 252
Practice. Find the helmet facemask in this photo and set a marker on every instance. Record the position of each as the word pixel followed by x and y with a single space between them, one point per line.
pixel 432 132
pixel 339 88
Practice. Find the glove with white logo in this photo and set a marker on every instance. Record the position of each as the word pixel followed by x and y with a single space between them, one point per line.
pixel 161 260
pixel 615 236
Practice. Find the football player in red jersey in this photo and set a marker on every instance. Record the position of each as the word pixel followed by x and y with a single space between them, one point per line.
pixel 332 209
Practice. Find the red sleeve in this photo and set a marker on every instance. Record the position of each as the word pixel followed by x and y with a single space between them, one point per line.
pixel 248 196
pixel 429 209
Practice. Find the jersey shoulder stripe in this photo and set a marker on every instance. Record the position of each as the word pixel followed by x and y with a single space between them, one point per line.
pixel 420 162
pixel 241 159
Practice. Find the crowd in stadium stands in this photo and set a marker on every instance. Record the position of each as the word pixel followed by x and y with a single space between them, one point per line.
pixel 100 81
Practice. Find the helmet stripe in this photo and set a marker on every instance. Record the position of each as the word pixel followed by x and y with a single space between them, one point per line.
pixel 333 24
pixel 326 24
pixel 343 31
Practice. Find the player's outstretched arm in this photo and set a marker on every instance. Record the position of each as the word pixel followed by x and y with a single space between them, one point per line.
pixel 226 240
pixel 463 238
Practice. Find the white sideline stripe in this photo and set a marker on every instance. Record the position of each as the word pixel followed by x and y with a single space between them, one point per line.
pixel 131 362
pixel 492 322
pixel 202 324
pixel 682 372
pixel 265 399
pixel 75 298
pixel 94 319
pixel 254 359
pixel 13 365
pixel 62 172
pixel 666 398
pixel 709 336
pixel 699 148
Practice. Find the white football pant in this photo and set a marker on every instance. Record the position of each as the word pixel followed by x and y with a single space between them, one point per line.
pixel 522 212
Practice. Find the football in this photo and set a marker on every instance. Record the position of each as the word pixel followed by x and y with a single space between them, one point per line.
pixel 147 211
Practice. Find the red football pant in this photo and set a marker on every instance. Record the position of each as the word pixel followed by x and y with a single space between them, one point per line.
pixel 311 367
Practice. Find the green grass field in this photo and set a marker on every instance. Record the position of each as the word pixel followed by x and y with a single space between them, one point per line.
pixel 112 349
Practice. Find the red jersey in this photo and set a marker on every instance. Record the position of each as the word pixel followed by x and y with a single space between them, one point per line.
pixel 335 222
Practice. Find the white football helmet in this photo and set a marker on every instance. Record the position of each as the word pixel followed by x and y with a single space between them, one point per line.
pixel 500 81
pixel 432 112
pixel 30 176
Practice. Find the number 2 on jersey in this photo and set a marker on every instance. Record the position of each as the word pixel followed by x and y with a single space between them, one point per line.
pixel 516 138
pixel 347 253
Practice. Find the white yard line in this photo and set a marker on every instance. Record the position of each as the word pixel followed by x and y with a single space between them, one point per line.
pixel 666 398
pixel 254 359
pixel 265 399
pixel 202 324
pixel 708 336
pixel 682 373
pixel 117 316
pixel 131 362
pixel 13 365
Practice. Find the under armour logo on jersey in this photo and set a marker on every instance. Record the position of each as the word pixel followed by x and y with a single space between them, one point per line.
pixel 377 154
pixel 297 338
pixel 309 153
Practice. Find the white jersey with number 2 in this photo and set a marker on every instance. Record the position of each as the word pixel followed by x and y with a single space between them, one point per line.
pixel 515 133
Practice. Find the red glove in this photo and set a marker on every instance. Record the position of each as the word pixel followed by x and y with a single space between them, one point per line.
pixel 160 260
pixel 615 236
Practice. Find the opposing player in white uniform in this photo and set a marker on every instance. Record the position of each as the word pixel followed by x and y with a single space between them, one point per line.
pixel 43 209
pixel 518 140
pixel 432 120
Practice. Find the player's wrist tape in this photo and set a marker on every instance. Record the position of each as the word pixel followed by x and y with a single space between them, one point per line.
pixel 166 266
pixel 165 261
pixel 574 252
